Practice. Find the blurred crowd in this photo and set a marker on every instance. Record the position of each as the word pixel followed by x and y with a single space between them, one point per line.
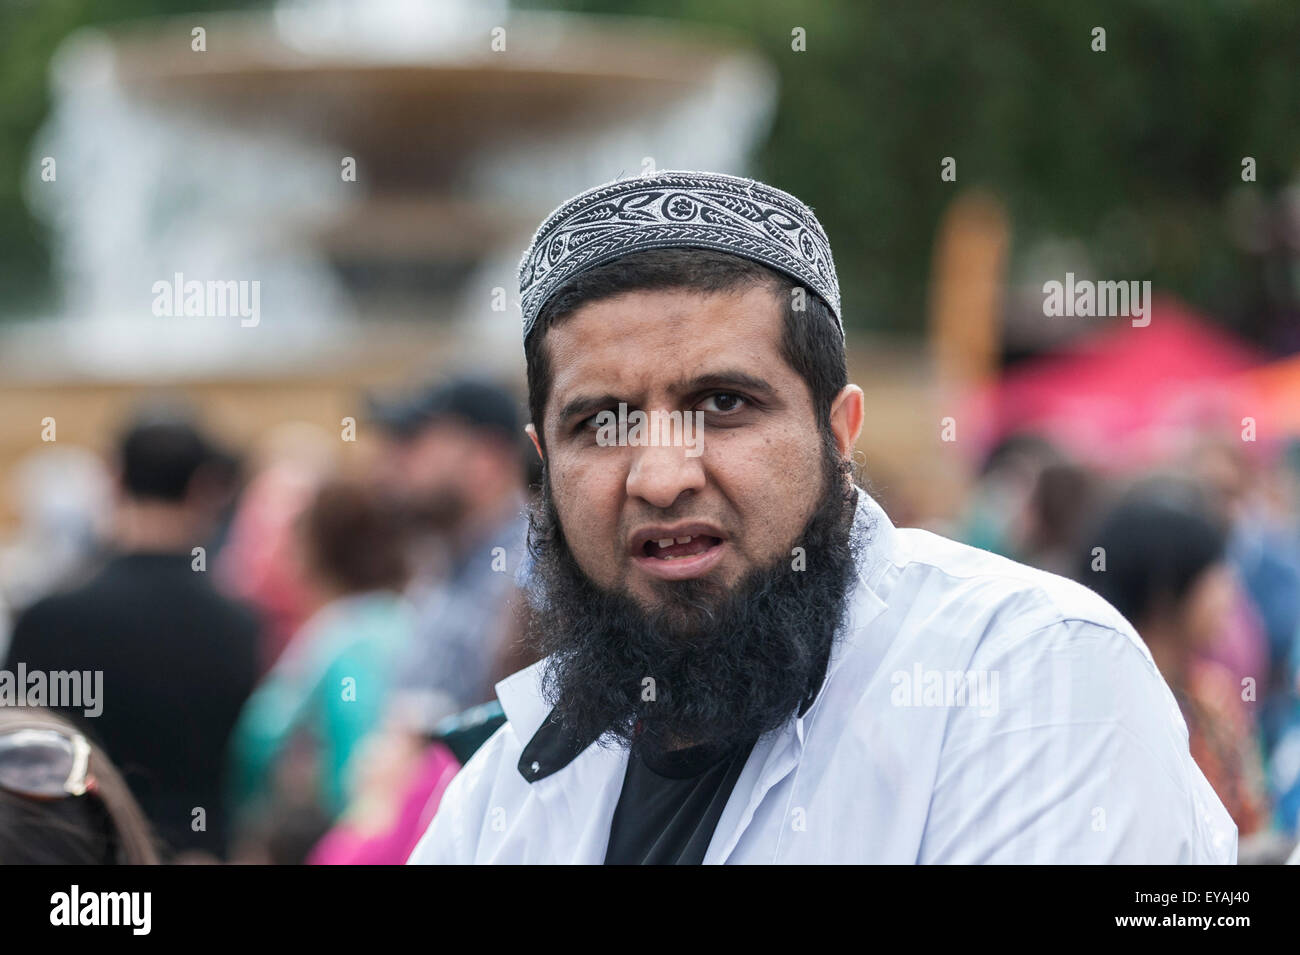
pixel 299 653
pixel 1201 554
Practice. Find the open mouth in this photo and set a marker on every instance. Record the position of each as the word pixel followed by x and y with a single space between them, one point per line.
pixel 675 548
pixel 679 553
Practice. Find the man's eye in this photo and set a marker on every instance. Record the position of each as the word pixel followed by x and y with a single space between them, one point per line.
pixel 724 402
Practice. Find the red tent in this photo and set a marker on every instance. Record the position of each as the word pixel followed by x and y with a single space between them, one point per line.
pixel 1275 389
pixel 1129 395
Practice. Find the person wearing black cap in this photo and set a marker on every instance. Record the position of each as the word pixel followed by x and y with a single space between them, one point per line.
pixel 458 467
pixel 178 659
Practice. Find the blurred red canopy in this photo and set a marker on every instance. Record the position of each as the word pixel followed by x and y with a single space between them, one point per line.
pixel 1129 396
pixel 1275 388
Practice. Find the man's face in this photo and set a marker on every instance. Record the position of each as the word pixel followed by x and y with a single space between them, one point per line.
pixel 743 500
pixel 433 467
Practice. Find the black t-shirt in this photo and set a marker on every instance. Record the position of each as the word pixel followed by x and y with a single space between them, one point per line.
pixel 669 806
pixel 178 662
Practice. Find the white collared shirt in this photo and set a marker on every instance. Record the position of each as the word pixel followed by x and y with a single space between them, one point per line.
pixel 975 710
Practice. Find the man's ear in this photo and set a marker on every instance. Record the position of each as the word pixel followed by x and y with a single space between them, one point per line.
pixel 532 433
pixel 847 411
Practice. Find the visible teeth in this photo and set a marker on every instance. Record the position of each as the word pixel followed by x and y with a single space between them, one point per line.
pixel 666 542
pixel 683 540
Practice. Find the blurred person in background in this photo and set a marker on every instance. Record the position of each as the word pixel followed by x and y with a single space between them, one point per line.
pixel 63 497
pixel 178 659
pixel 398 785
pixel 459 472
pixel 453 457
pixel 62 801
pixel 1001 506
pixel 1264 550
pixel 1284 756
pixel 1060 502
pixel 1166 571
pixel 332 683
pixel 257 563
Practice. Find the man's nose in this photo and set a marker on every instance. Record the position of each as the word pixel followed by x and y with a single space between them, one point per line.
pixel 660 475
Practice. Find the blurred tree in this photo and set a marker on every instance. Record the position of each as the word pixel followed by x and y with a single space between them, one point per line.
pixel 30 30
pixel 1132 151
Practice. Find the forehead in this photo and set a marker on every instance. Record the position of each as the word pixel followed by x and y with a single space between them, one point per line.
pixel 640 343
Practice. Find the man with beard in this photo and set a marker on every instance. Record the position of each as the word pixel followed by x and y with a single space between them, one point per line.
pixel 744 660
pixel 455 466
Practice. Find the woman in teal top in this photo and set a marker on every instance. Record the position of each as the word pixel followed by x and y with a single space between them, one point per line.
pixel 333 680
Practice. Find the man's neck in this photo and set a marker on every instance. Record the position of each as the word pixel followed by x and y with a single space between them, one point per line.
pixel 154 527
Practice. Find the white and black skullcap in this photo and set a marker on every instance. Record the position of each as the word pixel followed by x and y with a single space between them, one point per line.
pixel 676 209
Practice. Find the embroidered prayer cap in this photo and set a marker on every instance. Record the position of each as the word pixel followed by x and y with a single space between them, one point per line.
pixel 678 209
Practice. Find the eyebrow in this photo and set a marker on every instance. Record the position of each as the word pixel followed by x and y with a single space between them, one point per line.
pixel 587 405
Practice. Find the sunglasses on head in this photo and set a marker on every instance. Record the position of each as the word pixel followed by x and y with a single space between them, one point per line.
pixel 44 763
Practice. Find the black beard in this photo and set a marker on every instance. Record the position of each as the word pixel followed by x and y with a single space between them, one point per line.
pixel 727 666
